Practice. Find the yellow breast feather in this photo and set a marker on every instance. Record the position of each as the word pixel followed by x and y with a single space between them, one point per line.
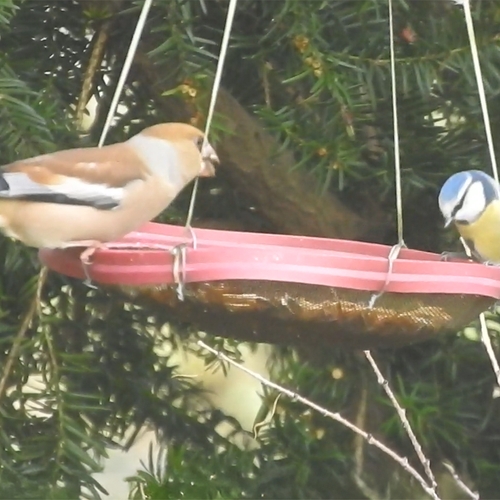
pixel 484 233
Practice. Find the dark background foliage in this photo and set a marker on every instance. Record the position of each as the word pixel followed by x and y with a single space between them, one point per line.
pixel 316 76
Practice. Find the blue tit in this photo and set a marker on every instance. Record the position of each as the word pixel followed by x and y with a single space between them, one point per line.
pixel 471 200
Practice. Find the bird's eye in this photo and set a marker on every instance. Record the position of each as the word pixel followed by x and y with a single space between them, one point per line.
pixel 199 142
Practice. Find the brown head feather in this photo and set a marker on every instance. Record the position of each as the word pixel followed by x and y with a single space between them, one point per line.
pixel 173 132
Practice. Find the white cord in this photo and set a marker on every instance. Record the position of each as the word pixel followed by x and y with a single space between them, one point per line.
pixel 480 85
pixel 397 160
pixel 126 68
pixel 485 337
pixel 215 90
pixel 394 253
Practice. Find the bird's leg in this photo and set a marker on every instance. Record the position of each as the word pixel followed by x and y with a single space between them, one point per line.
pixel 489 263
pixel 85 256
pixel 93 245
pixel 463 256
pixel 85 259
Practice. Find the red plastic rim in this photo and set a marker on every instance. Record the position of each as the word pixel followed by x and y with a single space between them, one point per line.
pixel 231 255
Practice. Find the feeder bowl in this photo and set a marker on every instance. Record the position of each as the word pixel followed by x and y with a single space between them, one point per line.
pixel 291 290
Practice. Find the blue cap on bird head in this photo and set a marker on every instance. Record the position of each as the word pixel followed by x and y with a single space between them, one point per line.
pixel 467 194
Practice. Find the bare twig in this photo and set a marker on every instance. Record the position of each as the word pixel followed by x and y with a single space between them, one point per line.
pixel 257 426
pixel 485 339
pixel 404 420
pixel 334 416
pixel 406 425
pixel 473 494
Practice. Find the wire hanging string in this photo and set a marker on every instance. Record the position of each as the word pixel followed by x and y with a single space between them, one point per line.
pixel 397 162
pixel 485 338
pixel 394 253
pixel 125 70
pixel 215 91
pixel 480 84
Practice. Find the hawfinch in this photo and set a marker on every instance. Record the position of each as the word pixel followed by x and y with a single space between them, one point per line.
pixel 90 196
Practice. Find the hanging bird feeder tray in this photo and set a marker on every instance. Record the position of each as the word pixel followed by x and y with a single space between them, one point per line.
pixel 292 289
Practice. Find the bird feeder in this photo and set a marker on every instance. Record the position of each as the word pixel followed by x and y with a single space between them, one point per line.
pixel 290 289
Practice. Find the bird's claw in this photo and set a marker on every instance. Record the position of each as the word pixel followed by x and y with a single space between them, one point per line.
pixel 489 263
pixel 447 256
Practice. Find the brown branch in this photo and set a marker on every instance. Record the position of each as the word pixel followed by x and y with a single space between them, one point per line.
pixel 287 198
pixel 96 57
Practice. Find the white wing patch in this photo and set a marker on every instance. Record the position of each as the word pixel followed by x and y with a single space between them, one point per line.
pixel 71 191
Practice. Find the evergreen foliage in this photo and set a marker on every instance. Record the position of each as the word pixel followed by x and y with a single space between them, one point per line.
pixel 94 366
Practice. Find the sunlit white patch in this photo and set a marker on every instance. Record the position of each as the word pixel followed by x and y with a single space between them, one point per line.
pixel 91 164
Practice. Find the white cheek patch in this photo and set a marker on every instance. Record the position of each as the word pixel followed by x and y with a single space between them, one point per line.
pixel 160 157
pixel 473 205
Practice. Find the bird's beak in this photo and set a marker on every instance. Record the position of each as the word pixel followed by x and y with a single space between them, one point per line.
pixel 209 161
